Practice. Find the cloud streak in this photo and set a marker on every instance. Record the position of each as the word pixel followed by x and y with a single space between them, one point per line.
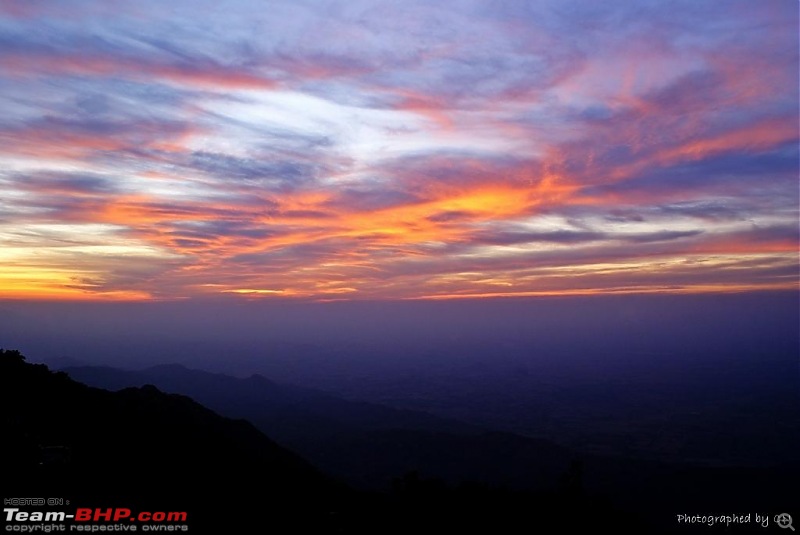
pixel 375 151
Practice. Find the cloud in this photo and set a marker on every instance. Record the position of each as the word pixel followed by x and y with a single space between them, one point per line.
pixel 375 150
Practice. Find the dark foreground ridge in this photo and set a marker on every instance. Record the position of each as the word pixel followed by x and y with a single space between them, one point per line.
pixel 368 445
pixel 142 449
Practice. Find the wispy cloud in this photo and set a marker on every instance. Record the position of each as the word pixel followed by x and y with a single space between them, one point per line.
pixel 370 149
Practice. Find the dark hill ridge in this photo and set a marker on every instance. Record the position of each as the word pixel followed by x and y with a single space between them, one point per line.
pixel 294 412
pixel 369 445
pixel 363 443
pixel 142 448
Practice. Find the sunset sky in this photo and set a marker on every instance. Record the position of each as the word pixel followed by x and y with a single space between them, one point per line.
pixel 392 150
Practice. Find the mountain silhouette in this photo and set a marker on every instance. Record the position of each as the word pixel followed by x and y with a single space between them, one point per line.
pixel 371 446
pixel 365 444
pixel 142 448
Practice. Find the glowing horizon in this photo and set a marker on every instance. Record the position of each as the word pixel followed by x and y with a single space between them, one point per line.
pixel 367 150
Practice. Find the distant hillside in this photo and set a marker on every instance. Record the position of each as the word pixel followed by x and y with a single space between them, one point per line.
pixel 370 446
pixel 364 443
pixel 142 448
pixel 294 414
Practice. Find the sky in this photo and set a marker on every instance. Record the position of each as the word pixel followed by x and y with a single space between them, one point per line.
pixel 323 150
